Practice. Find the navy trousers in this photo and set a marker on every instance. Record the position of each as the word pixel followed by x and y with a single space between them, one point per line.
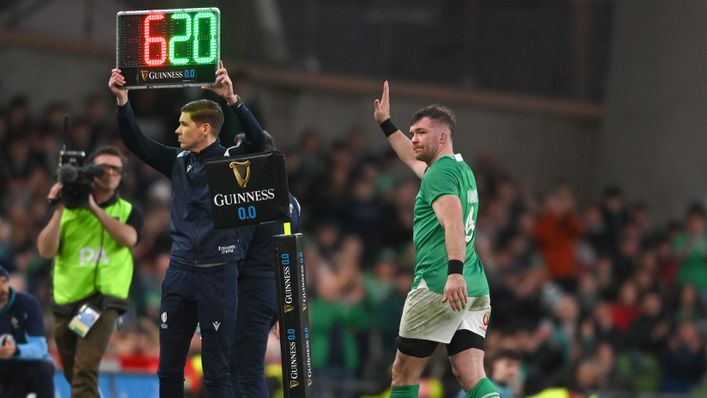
pixel 18 378
pixel 257 314
pixel 208 296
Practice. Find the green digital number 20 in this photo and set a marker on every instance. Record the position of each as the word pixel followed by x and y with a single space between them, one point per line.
pixel 173 58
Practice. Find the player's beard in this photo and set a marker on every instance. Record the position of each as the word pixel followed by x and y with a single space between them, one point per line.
pixel 425 154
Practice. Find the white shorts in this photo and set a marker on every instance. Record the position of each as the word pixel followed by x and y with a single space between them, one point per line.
pixel 426 317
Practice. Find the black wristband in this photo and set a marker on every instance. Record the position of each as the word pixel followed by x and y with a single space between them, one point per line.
pixel 388 127
pixel 455 267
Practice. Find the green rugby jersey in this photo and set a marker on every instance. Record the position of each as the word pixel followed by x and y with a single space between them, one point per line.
pixel 449 175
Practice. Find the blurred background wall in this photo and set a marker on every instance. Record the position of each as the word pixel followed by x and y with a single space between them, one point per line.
pixel 509 79
pixel 652 136
pixel 630 72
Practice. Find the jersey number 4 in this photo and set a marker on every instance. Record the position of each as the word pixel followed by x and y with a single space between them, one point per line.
pixel 469 226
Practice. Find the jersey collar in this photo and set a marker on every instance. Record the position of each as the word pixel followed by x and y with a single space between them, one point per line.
pixel 213 150
pixel 110 201
pixel 10 302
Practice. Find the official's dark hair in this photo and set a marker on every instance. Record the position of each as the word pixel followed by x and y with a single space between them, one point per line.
pixel 268 145
pixel 439 113
pixel 108 150
pixel 205 111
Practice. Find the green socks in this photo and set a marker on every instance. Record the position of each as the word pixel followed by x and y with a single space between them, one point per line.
pixel 483 389
pixel 404 391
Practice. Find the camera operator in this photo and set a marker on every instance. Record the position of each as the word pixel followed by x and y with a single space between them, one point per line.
pixel 93 265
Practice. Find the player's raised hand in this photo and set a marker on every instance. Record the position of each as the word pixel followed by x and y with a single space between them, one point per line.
pixel 455 292
pixel 116 84
pixel 381 107
pixel 223 86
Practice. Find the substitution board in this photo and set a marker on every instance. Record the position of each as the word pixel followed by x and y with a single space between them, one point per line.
pixel 168 48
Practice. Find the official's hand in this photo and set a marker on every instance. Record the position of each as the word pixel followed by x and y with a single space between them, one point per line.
pixel 381 107
pixel 455 292
pixel 7 351
pixel 223 86
pixel 116 85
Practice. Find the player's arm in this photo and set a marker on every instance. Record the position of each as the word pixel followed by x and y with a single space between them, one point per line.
pixel 36 345
pixel 223 87
pixel 398 140
pixel 159 157
pixel 448 209
pixel 295 215
pixel 254 137
pixel 403 148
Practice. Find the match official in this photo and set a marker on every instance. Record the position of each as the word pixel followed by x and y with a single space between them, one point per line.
pixel 257 304
pixel 201 282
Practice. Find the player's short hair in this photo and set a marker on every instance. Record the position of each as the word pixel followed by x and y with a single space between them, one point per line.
pixel 439 113
pixel 205 111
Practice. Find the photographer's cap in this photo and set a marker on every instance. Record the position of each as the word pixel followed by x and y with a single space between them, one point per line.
pixel 4 273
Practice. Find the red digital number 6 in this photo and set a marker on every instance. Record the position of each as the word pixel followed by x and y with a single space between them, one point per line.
pixel 149 40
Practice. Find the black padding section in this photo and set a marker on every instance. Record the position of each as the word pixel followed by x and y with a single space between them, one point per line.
pixel 416 347
pixel 463 340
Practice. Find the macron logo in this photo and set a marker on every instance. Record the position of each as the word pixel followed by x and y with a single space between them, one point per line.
pixel 216 325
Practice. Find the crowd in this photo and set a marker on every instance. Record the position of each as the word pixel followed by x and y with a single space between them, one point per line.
pixel 590 296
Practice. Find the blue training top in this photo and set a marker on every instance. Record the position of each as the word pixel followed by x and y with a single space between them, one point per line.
pixel 22 318
pixel 195 241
